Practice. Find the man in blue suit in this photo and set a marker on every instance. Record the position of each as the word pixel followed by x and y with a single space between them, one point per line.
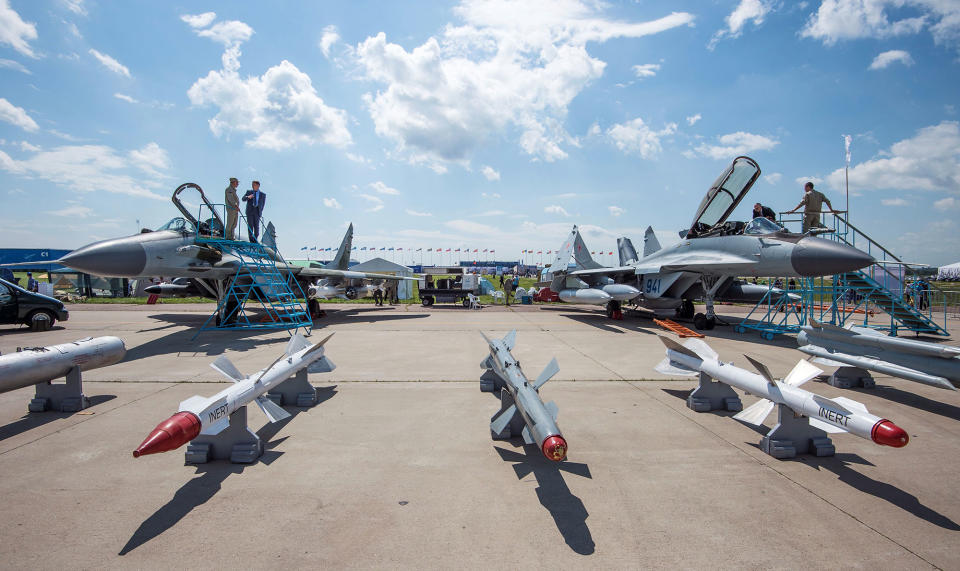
pixel 255 200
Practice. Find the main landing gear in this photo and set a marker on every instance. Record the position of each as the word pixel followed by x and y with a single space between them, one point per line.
pixel 613 309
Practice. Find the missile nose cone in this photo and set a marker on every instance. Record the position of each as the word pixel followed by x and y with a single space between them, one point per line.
pixel 170 434
pixel 889 434
pixel 121 257
pixel 153 290
pixel 555 448
pixel 820 257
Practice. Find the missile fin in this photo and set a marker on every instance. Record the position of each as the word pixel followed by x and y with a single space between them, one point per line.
pixel 485 338
pixel 674 346
pixel 553 409
pixel 829 327
pixel 668 367
pixel 319 345
pixel 272 410
pixel 833 404
pixel 851 404
pixel 323 365
pixel 761 368
pixel 225 367
pixel 510 339
pixel 501 421
pixel 756 413
pixel 296 344
pixel 549 371
pixel 825 426
pixel 702 350
pixel 801 373
pixel 486 363
pixel 526 435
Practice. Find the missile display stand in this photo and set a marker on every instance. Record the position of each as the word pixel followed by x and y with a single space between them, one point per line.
pixel 713 395
pixel 236 443
pixel 295 391
pixel 851 377
pixel 63 397
pixel 793 435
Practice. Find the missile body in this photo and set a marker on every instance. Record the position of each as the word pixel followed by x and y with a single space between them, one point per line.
pixel 40 364
pixel 621 292
pixel 591 296
pixel 172 290
pixel 540 420
pixel 918 361
pixel 831 415
pixel 211 415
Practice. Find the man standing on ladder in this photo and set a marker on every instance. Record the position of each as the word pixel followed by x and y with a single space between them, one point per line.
pixel 233 208
pixel 812 202
pixel 255 201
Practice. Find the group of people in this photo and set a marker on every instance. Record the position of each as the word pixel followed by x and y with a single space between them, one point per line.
pixel 388 291
pixel 917 294
pixel 508 284
pixel 255 198
pixel 812 203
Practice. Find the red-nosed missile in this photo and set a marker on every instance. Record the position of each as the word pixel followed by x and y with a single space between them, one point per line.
pixel 555 448
pixel 170 434
pixel 889 434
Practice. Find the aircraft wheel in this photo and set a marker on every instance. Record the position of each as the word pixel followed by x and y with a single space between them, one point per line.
pixel 711 323
pixel 700 321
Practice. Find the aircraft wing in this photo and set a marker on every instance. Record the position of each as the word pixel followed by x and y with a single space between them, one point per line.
pixel 617 271
pixel 347 274
pixel 700 262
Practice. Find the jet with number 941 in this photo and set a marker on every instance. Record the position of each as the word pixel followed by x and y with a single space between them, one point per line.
pixel 705 261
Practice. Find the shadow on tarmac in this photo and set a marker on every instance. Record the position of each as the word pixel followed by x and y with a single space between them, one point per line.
pixel 32 420
pixel 841 465
pixel 363 314
pixel 569 513
pixel 913 400
pixel 25 329
pixel 198 491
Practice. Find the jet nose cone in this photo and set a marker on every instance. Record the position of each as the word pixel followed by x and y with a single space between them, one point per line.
pixel 820 257
pixel 121 258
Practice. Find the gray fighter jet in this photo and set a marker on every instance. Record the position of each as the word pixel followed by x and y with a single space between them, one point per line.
pixel 205 267
pixel 706 259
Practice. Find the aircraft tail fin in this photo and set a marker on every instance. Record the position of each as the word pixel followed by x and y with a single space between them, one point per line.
pixel 628 254
pixel 650 242
pixel 562 258
pixel 582 255
pixel 342 259
pixel 269 238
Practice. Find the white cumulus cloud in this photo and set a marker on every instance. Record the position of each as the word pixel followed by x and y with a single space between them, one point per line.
pixel 278 110
pixel 14 31
pixel 646 70
pixel 893 56
pixel 930 160
pixel 746 11
pixel 949 203
pixel 16 116
pixel 73 211
pixel 110 63
pixel 75 6
pixel 330 36
pixel 894 202
pixel 692 120
pixel 151 159
pixel 382 188
pixel 416 213
pixel 490 173
pixel 376 203
pixel 199 20
pixel 508 68
pixel 556 209
pixel 733 144
pixel 615 210
pixel 470 227
pixel 124 97
pixel 635 137
pixel 332 203
pixel 14 65
pixel 837 20
pixel 773 178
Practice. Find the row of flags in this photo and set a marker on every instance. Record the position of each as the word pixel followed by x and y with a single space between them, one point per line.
pixel 464 250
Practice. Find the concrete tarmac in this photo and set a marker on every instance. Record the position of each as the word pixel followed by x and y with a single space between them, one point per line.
pixel 395 466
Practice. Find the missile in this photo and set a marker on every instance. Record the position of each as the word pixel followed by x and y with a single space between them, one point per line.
pixel 585 295
pixel 212 415
pixel 540 420
pixel 171 290
pixel 918 361
pixel 839 414
pixel 621 292
pixel 34 365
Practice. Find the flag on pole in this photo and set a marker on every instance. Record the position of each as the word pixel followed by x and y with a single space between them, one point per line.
pixel 390 248
pixel 363 249
pixel 474 250
pixel 429 249
pixel 303 248
pixel 847 139
pixel 419 249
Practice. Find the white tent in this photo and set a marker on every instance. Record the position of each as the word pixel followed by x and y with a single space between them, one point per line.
pixel 951 272
pixel 381 266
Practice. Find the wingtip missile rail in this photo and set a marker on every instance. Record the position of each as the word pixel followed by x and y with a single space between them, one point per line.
pixel 520 403
pixel 823 415
pixel 212 415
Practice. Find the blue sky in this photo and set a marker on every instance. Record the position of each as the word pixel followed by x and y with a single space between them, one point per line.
pixel 488 125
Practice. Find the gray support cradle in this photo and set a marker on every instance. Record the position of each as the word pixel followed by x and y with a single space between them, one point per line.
pixel 490 382
pixel 851 377
pixel 65 397
pixel 295 391
pixel 236 443
pixel 713 395
pixel 516 424
pixel 793 435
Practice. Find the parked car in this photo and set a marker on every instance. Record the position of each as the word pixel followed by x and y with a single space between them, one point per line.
pixel 18 305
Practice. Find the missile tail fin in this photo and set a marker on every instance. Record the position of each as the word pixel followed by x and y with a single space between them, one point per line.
pixel 322 365
pixel 668 367
pixel 510 339
pixel 487 363
pixel 829 327
pixel 272 410
pixel 801 373
pixel 527 439
pixel 553 409
pixel 319 345
pixel 851 404
pixel 549 371
pixel 501 421
pixel 674 346
pixel 761 368
pixel 756 413
pixel 296 344
pixel 225 367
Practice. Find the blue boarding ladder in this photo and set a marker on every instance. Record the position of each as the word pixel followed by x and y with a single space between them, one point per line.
pixel 875 296
pixel 260 295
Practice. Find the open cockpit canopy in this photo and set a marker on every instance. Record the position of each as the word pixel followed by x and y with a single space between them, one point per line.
pixel 724 196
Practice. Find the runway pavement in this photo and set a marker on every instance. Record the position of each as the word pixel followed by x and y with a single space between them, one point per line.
pixel 395 466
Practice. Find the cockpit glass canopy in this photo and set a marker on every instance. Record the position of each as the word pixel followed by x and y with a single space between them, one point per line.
pixel 727 191
pixel 760 226
pixel 178 224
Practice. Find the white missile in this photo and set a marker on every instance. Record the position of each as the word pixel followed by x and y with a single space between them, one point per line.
pixel 211 415
pixel 585 295
pixel 830 415
pixel 621 292
pixel 34 365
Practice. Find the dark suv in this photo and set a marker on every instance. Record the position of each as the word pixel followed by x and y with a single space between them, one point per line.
pixel 18 305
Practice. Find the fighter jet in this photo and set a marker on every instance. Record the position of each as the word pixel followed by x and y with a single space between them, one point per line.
pixel 205 267
pixel 705 260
